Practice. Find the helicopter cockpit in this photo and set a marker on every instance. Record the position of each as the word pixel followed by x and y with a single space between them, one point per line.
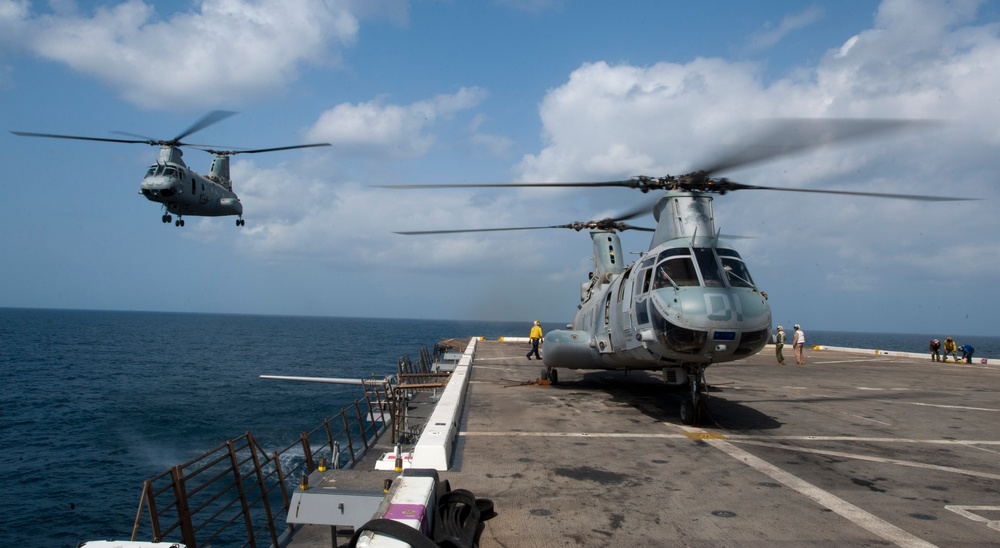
pixel 702 301
pixel 675 267
pixel 161 180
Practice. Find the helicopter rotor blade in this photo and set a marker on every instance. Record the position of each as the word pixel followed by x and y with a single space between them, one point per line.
pixel 778 138
pixel 641 209
pixel 625 183
pixel 788 136
pixel 596 225
pixel 211 118
pixel 461 231
pixel 255 151
pixel 57 136
pixel 739 186
pixel 145 139
pixel 610 223
pixel 624 226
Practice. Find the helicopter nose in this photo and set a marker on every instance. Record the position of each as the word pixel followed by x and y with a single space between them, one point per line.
pixel 159 187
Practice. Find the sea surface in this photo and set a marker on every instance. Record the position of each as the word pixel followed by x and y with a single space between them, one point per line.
pixel 93 403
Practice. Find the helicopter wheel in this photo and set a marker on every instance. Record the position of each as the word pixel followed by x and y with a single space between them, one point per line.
pixel 240 222
pixel 166 218
pixel 545 374
pixel 687 412
pixel 553 376
pixel 179 222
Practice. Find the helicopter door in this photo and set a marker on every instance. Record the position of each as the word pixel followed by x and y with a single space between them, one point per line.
pixel 641 317
pixel 602 328
pixel 203 198
pixel 622 306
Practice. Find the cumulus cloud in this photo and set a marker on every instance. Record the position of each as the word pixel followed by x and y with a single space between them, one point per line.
pixel 220 51
pixel 380 128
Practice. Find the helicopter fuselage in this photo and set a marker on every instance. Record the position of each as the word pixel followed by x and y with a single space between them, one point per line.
pixel 687 303
pixel 183 192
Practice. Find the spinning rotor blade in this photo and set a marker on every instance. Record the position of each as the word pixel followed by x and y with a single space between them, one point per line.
pixel 255 151
pixel 504 185
pixel 205 121
pixel 597 225
pixel 56 136
pixel 460 231
pixel 211 118
pixel 788 136
pixel 611 223
pixel 778 138
pixel 918 197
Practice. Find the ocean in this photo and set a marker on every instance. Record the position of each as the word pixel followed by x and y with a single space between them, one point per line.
pixel 96 402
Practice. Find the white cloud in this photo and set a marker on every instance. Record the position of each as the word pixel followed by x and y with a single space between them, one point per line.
pixel 220 51
pixel 381 129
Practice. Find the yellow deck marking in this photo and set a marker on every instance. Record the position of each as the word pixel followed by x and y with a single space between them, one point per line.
pixel 705 436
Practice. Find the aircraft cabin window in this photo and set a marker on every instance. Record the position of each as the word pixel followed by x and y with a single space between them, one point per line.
pixel 151 172
pixel 642 312
pixel 642 281
pixel 709 267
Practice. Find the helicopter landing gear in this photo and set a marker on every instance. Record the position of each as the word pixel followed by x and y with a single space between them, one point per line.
pixel 179 222
pixel 240 222
pixel 694 407
pixel 551 375
pixel 166 218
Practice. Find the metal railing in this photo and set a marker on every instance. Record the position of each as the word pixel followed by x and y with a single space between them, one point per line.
pixel 237 494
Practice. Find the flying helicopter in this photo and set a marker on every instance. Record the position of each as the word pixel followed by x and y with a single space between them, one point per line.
pixel 689 301
pixel 182 191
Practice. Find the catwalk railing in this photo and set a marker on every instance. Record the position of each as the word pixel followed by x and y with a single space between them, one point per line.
pixel 238 493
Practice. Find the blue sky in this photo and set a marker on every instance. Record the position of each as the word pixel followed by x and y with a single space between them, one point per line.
pixel 509 90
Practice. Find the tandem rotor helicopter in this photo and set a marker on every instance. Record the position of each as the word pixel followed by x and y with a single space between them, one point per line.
pixel 689 301
pixel 182 191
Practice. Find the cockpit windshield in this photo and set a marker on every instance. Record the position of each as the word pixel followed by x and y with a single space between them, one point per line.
pixel 676 267
pixel 159 169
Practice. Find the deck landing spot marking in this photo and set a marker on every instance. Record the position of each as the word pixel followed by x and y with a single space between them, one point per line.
pixel 870 458
pixel 856 515
pixel 967 512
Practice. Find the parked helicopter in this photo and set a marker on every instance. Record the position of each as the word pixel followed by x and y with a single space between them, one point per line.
pixel 181 191
pixel 690 300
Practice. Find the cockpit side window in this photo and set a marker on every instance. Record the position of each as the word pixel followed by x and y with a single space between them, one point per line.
pixel 736 271
pixel 645 277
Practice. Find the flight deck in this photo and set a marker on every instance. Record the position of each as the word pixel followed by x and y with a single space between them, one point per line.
pixel 851 449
